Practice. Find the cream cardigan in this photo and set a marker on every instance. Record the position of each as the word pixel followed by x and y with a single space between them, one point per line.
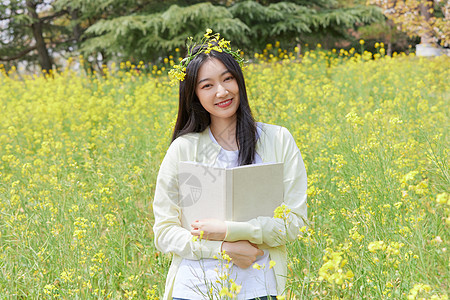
pixel 275 144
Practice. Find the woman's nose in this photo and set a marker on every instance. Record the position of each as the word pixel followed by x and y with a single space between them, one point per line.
pixel 221 91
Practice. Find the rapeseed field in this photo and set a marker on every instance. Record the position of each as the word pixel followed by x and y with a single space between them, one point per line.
pixel 80 152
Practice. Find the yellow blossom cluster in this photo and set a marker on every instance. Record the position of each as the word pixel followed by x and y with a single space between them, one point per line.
pixel 333 269
pixel 281 212
pixel 422 291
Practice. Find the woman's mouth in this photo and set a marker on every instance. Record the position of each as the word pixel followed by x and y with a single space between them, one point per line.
pixel 224 103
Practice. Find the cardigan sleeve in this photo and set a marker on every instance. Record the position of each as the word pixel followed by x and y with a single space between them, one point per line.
pixel 169 235
pixel 276 231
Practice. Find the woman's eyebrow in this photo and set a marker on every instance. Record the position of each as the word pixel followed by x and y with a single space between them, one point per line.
pixel 204 79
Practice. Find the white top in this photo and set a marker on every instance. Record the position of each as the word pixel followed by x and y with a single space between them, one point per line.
pixel 195 278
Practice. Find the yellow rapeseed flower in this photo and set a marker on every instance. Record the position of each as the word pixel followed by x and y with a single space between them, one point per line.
pixel 272 264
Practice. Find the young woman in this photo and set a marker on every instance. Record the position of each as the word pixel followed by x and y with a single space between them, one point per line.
pixel 215 127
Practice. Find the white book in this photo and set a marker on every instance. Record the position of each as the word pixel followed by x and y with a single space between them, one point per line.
pixel 230 194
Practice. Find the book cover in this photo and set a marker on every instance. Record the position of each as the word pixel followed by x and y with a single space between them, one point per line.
pixel 230 194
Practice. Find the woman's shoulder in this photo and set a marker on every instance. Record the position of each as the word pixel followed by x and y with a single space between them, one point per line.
pixel 277 137
pixel 187 137
pixel 185 140
pixel 182 148
pixel 273 130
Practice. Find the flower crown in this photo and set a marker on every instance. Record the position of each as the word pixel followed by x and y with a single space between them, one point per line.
pixel 208 43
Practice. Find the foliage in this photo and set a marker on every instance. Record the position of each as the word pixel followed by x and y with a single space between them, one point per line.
pixel 18 33
pixel 247 23
pixel 79 155
pixel 117 30
pixel 146 37
pixel 387 33
pixel 421 18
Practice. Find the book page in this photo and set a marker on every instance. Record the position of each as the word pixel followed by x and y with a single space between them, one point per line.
pixel 257 190
pixel 201 192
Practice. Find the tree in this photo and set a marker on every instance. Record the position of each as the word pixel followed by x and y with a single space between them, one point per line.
pixel 248 24
pixel 148 36
pixel 30 31
pixel 38 30
pixel 430 20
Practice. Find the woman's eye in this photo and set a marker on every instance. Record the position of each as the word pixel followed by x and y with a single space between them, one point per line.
pixel 229 78
pixel 206 86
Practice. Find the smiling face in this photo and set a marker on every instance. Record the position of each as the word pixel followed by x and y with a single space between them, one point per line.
pixel 217 90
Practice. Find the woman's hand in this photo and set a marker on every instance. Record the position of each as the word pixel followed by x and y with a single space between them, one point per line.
pixel 212 229
pixel 243 253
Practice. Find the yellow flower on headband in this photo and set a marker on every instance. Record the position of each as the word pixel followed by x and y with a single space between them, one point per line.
pixel 212 42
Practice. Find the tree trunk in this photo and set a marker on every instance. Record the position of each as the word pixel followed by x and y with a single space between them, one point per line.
pixel 76 29
pixel 390 24
pixel 427 36
pixel 36 26
pixel 99 64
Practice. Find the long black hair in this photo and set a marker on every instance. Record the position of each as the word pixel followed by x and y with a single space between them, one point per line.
pixel 192 117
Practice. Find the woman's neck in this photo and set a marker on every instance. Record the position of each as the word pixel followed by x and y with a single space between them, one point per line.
pixel 224 131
